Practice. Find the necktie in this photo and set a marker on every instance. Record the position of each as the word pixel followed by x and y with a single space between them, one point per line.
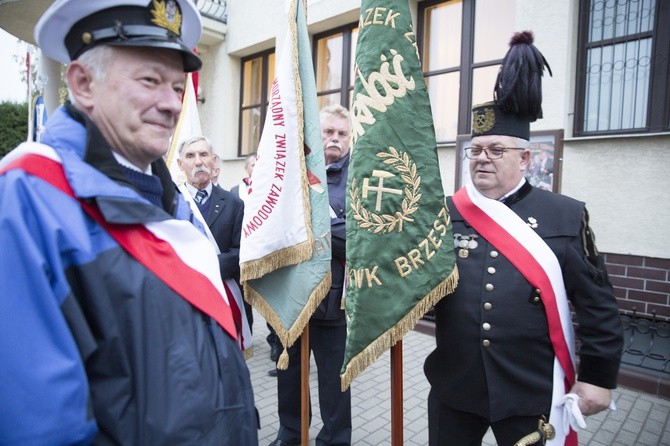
pixel 200 196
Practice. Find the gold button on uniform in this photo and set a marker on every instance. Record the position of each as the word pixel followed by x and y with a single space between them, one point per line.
pixel 488 306
pixel 493 254
pixel 491 270
pixel 486 326
pixel 486 342
pixel 489 287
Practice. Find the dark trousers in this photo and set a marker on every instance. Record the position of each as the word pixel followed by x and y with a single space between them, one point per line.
pixel 248 310
pixel 272 337
pixel 327 344
pixel 447 426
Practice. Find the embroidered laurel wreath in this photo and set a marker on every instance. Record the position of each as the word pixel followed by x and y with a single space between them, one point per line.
pixel 384 223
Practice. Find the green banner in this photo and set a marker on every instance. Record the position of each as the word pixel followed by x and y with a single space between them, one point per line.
pixel 400 250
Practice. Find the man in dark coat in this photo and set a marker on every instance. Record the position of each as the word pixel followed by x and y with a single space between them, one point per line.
pixel 220 209
pixel 505 355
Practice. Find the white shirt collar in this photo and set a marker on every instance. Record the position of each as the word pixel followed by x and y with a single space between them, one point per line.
pixel 192 190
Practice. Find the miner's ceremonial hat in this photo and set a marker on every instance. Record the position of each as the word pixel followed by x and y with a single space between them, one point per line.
pixel 517 94
pixel 68 28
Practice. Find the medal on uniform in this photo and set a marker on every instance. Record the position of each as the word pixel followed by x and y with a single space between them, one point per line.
pixel 465 243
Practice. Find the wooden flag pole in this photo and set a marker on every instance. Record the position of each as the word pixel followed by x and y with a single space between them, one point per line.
pixel 396 395
pixel 304 387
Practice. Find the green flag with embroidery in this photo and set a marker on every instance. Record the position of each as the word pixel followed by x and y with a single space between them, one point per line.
pixel 400 250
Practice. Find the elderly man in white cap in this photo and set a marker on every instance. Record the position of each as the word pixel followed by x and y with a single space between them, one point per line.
pixel 115 326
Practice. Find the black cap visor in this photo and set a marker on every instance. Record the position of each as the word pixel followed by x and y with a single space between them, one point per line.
pixel 126 26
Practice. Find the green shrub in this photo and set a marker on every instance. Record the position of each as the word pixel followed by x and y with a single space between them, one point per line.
pixel 13 125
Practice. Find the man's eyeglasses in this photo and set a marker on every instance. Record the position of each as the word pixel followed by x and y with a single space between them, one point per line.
pixel 492 153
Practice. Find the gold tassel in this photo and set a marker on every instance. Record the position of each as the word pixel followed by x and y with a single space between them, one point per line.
pixel 282 364
pixel 248 353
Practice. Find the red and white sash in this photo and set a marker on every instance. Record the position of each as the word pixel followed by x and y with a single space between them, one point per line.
pixel 232 289
pixel 174 250
pixel 537 263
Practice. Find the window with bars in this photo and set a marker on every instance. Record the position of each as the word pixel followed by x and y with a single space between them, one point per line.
pixel 622 67
pixel 257 77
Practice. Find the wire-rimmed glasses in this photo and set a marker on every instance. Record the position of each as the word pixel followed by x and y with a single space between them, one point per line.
pixel 492 153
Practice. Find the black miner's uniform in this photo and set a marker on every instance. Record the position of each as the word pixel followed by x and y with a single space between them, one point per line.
pixel 493 356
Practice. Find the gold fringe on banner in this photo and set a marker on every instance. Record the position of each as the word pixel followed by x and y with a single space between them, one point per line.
pixel 292 255
pixel 248 353
pixel 388 339
pixel 307 203
pixel 289 335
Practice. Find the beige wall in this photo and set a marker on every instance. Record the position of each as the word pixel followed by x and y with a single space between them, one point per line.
pixel 219 115
pixel 625 184
pixel 622 180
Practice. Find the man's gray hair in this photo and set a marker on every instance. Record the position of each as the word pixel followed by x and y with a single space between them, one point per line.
pixel 193 139
pixel 522 143
pixel 97 60
pixel 335 110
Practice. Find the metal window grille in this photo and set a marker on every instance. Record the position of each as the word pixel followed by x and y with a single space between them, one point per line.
pixel 618 68
pixel 214 9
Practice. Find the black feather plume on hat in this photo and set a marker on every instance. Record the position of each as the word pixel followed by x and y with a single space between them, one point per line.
pixel 518 87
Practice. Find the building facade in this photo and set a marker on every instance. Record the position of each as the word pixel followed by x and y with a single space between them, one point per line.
pixel 604 138
pixel 606 125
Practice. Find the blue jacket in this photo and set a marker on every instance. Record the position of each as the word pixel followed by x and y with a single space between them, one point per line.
pixel 95 348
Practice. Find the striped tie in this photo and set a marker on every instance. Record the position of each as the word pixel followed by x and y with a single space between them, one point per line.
pixel 200 196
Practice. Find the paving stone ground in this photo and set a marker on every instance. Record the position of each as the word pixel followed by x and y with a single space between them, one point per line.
pixel 641 419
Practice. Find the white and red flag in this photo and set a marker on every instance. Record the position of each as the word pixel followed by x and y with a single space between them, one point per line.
pixel 285 248
pixel 188 125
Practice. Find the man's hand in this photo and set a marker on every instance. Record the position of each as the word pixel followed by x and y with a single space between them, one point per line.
pixel 592 399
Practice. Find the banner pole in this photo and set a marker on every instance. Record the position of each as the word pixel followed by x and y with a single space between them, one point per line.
pixel 304 387
pixel 29 98
pixel 396 395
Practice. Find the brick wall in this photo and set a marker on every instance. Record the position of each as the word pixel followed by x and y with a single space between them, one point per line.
pixel 641 284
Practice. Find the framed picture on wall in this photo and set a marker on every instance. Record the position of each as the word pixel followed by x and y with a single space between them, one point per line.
pixel 546 154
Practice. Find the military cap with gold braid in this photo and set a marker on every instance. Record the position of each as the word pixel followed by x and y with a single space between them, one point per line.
pixel 517 93
pixel 68 28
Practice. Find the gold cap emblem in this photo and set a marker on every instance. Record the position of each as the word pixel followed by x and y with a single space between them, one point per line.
pixel 166 14
pixel 483 120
